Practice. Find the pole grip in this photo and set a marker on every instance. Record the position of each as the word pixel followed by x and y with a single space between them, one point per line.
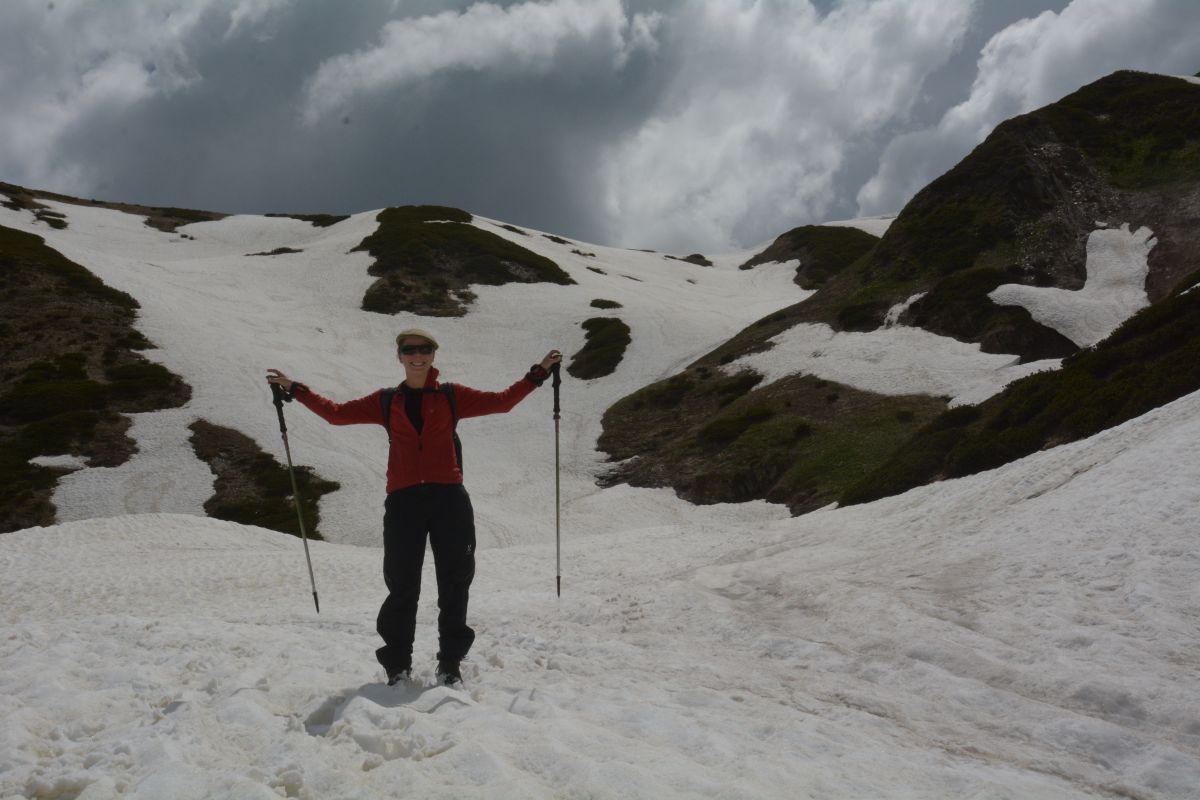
pixel 556 381
pixel 277 398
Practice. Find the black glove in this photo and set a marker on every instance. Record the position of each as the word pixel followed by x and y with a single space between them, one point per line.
pixel 290 394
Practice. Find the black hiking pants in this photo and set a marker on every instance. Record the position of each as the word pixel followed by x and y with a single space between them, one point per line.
pixel 442 512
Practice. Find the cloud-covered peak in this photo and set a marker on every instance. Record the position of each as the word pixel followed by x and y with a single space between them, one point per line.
pixel 1032 63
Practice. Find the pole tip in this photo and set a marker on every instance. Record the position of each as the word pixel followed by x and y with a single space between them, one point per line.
pixel 316 602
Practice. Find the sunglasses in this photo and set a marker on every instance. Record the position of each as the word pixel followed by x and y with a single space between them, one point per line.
pixel 413 349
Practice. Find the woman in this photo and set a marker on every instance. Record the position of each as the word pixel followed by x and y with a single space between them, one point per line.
pixel 425 494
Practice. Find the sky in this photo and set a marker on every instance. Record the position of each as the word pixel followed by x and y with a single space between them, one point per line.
pixel 677 125
pixel 1028 633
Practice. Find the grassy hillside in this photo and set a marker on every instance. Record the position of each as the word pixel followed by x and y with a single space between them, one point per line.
pixel 1019 208
pixel 1149 361
pixel 426 258
pixel 716 438
pixel 71 367
pixel 719 437
pixel 822 250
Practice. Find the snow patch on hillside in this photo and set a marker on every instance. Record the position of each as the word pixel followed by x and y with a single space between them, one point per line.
pixel 894 361
pixel 898 360
pixel 1117 265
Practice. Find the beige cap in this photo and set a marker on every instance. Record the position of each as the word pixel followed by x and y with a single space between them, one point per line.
pixel 424 334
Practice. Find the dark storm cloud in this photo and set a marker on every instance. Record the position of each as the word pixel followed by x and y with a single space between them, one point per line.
pixel 688 124
pixel 203 104
pixel 1029 63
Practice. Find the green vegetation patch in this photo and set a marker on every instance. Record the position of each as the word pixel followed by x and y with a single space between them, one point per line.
pixel 728 428
pixel 25 489
pixel 25 492
pixel 20 251
pixel 1151 360
pixel 1143 130
pixel 695 258
pixel 603 349
pixel 426 257
pixel 21 199
pixel 163 218
pixel 1022 204
pixel 168 218
pixel 823 251
pixel 252 488
pixel 30 402
pixel 144 386
pixel 278 251
pixel 605 304
pixel 316 220
pixel 720 438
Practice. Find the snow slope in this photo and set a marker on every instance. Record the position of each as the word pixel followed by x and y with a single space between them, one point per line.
pixel 1025 633
pixel 221 317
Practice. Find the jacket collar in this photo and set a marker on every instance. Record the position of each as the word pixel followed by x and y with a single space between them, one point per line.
pixel 430 383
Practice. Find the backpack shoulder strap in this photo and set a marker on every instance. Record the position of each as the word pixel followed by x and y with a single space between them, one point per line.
pixel 385 407
pixel 448 390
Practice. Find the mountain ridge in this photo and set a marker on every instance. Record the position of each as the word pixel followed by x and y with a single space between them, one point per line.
pixel 717 431
pixel 1017 210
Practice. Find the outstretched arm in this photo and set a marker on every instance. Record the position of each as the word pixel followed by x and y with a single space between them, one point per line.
pixel 476 403
pixel 360 411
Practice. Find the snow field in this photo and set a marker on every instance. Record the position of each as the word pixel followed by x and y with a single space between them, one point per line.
pixel 1024 633
pixel 221 317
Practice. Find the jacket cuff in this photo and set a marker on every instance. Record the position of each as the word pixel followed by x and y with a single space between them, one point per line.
pixel 537 375
pixel 297 388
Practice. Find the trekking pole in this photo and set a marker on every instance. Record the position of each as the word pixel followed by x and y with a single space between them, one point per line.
pixel 277 391
pixel 557 382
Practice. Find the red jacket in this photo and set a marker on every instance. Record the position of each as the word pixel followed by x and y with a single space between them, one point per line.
pixel 428 456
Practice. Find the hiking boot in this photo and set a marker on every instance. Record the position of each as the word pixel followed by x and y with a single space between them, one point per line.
pixel 448 673
pixel 400 676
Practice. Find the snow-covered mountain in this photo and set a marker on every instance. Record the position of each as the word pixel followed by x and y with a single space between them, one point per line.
pixel 1024 632
pixel 1028 632
pixel 1071 232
